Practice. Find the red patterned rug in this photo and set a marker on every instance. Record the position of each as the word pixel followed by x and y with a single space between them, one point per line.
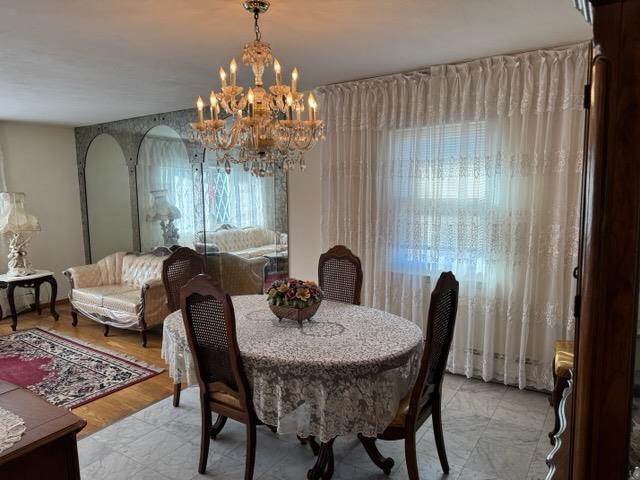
pixel 64 371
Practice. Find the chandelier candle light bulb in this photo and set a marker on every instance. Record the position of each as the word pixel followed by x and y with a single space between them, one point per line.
pixel 200 106
pixel 250 100
pixel 223 77
pixel 312 107
pixel 289 106
pixel 213 106
pixel 276 68
pixel 264 143
pixel 294 80
pixel 233 68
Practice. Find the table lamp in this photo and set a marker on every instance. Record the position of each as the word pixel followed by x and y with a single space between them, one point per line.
pixel 15 221
pixel 165 213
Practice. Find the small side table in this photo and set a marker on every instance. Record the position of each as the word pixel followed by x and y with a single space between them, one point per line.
pixel 30 281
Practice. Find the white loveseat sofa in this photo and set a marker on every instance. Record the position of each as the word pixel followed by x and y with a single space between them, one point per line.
pixel 237 256
pixel 123 290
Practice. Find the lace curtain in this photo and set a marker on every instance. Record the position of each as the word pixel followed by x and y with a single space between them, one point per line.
pixel 163 163
pixel 473 168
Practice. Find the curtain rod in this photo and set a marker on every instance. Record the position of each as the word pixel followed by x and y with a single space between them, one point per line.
pixel 427 68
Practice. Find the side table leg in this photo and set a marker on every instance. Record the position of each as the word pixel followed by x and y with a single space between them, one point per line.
pixel 54 296
pixel 36 295
pixel 12 306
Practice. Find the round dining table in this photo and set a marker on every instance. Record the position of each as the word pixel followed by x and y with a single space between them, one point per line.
pixel 342 373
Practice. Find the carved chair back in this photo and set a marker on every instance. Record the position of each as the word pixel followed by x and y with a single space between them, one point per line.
pixel 210 327
pixel 340 275
pixel 180 267
pixel 441 323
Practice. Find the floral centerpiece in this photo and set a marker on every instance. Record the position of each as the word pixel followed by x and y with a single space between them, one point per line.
pixel 294 299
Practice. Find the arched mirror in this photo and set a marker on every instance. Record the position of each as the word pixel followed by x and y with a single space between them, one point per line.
pixel 108 198
pixel 165 190
pixel 245 238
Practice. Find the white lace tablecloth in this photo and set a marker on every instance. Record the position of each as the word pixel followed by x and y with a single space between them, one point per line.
pixel 11 429
pixel 343 373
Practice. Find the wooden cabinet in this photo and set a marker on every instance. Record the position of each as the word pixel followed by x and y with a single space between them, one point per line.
pixel 48 447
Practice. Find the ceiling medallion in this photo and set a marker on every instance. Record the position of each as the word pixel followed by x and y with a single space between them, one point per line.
pixel 265 130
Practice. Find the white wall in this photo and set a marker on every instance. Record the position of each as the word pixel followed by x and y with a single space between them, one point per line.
pixel 40 160
pixel 305 243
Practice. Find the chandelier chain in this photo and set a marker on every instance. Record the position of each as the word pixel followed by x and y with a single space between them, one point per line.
pixel 256 16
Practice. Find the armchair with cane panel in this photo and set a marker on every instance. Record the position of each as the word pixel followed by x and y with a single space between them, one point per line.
pixel 340 275
pixel 210 327
pixel 180 267
pixel 425 398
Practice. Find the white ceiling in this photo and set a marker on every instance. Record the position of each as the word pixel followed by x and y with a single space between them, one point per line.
pixel 80 62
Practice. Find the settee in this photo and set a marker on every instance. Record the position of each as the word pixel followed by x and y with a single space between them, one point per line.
pixel 123 290
pixel 239 257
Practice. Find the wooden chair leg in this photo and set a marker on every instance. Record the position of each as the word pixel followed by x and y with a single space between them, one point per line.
pixel 384 463
pixel 410 456
pixel 204 434
pixel 313 443
pixel 251 451
pixel 143 333
pixel 74 316
pixel 177 388
pixel 328 473
pixel 436 415
pixel 106 330
pixel 218 426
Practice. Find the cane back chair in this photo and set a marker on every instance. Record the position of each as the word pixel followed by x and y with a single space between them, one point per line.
pixel 210 325
pixel 425 398
pixel 181 266
pixel 340 275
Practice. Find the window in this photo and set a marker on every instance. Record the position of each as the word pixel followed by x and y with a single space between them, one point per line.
pixel 441 189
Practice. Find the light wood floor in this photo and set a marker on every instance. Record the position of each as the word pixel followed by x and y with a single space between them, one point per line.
pixel 106 410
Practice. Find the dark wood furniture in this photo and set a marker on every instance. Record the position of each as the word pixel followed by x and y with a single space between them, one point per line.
pixel 31 281
pixel 340 275
pixel 180 267
pixel 425 399
pixel 47 448
pixel 599 422
pixel 210 326
pixel 562 371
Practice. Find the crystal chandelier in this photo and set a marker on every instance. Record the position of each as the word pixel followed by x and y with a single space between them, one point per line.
pixel 265 130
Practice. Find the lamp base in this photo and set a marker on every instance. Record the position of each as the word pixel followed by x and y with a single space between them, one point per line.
pixel 19 265
pixel 169 233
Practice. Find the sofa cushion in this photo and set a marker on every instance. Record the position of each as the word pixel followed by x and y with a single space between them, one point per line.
pixel 126 301
pixel 94 295
pixel 140 269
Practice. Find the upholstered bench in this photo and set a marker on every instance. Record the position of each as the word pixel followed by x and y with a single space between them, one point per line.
pixel 123 290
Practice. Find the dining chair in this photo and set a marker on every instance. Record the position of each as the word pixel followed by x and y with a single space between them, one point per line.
pixel 180 267
pixel 425 398
pixel 210 325
pixel 340 275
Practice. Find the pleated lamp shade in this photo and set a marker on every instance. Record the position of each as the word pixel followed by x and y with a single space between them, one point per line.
pixel 13 216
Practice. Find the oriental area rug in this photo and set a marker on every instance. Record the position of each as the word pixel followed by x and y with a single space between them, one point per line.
pixel 64 371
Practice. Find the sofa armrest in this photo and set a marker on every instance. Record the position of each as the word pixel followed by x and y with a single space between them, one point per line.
pixel 84 276
pixel 154 302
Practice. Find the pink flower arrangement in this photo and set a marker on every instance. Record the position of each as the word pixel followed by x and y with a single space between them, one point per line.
pixel 294 293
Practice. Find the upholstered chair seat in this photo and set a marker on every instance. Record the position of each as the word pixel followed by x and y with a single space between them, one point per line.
pixel 123 290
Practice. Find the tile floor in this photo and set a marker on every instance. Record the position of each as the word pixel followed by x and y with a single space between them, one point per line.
pixel 492 432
